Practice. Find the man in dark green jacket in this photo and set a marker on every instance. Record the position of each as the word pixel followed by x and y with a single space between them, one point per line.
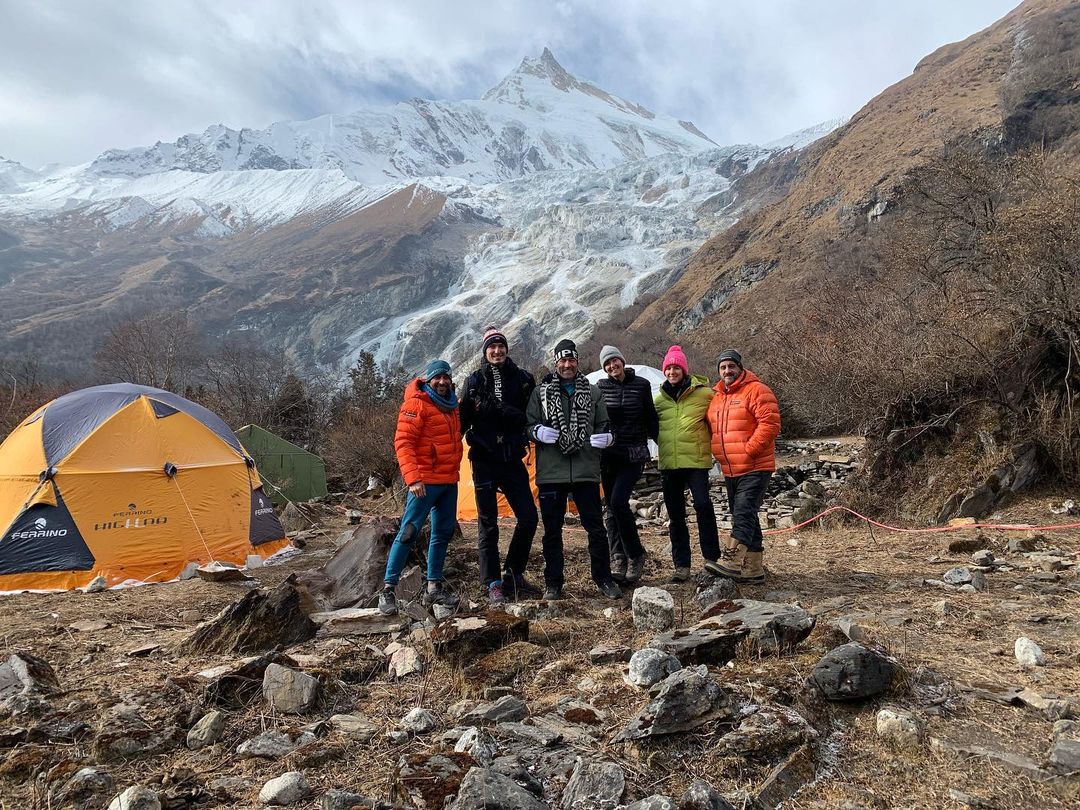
pixel 569 423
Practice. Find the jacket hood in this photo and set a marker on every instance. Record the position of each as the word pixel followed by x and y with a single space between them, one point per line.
pixel 741 381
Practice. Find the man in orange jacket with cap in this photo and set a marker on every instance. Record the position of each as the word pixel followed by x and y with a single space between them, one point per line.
pixel 744 419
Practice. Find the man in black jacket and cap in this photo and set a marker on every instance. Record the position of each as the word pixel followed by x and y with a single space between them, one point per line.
pixel 493 420
pixel 629 401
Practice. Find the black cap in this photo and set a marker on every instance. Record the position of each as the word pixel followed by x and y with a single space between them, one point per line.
pixel 564 348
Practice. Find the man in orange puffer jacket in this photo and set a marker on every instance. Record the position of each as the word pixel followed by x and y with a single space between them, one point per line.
pixel 744 419
pixel 428 447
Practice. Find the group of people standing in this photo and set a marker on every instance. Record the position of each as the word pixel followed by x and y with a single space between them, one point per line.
pixel 585 436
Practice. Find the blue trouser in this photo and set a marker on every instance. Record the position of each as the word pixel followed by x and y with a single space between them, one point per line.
pixel 440 500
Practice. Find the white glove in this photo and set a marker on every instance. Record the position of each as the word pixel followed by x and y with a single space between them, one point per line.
pixel 601 440
pixel 546 434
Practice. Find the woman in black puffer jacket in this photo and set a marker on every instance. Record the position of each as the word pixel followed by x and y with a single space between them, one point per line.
pixel 629 400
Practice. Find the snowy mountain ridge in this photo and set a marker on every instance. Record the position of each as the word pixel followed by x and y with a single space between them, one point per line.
pixel 510 132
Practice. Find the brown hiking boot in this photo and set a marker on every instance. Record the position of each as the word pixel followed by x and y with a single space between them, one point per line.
pixel 730 564
pixel 753 569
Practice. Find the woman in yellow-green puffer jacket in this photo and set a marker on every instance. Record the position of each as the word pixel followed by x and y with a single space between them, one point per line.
pixel 685 459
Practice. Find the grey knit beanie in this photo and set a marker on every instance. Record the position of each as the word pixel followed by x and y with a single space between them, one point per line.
pixel 729 354
pixel 608 352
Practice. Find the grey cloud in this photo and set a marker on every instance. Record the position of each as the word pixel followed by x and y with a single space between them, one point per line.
pixel 77 78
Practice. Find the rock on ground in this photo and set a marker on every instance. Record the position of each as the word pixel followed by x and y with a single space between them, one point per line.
pixel 477 744
pixel 89 787
pixel 419 721
pixel 650 666
pixel 768 731
pixel 289 690
pixel 426 781
pixel 703 796
pixel 258 621
pixel 268 745
pixel 1028 653
pixel 354 726
pixel 687 699
pixel 654 802
pixel 899 727
pixel 486 789
pixel 207 730
pixel 853 671
pixel 654 609
pixel 355 572
pixel 26 674
pixel 506 709
pixel 594 786
pixel 699 646
pixel 463 639
pixel 405 661
pixel 289 788
pixel 136 798
pixel 772 628
pixel 335 799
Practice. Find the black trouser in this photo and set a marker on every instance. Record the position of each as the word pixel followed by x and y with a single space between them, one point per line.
pixel 553 512
pixel 512 479
pixel 675 484
pixel 619 476
pixel 745 494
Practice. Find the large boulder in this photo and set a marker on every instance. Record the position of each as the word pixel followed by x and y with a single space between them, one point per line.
pixel 852 672
pixel 686 700
pixel 355 573
pixel 259 621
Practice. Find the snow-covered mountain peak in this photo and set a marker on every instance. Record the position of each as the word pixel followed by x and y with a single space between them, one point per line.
pixel 531 83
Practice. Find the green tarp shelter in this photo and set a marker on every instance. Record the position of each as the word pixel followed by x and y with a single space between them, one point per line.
pixel 298 474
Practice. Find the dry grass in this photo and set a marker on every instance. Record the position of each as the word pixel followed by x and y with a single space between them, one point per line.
pixel 840 571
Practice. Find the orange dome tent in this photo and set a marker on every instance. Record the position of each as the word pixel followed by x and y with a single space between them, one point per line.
pixel 130 483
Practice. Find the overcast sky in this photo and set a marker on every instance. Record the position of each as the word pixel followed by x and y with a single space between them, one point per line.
pixel 81 76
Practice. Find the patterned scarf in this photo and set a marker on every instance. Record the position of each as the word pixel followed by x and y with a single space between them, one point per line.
pixel 574 430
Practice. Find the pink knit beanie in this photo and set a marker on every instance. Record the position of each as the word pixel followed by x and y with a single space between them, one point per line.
pixel 676 357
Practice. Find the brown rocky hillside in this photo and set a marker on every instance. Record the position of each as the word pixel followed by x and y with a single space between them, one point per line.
pixel 762 270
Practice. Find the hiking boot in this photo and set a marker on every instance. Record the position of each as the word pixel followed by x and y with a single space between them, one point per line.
pixel 609 588
pixel 635 568
pixel 523 589
pixel 753 569
pixel 618 569
pixel 552 593
pixel 730 564
pixel 387 602
pixel 680 575
pixel 439 596
pixel 496 596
